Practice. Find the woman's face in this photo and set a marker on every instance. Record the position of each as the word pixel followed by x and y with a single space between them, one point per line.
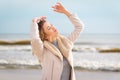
pixel 50 29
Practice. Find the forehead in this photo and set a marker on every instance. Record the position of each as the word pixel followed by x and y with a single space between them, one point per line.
pixel 46 24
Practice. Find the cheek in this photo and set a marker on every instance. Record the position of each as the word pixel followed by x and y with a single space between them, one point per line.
pixel 49 32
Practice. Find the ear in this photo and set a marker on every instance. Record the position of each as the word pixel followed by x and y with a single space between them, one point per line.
pixel 46 37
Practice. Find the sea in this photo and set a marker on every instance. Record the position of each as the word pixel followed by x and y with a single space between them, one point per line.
pixel 90 52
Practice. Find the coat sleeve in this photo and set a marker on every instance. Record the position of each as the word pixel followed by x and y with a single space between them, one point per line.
pixel 36 43
pixel 78 26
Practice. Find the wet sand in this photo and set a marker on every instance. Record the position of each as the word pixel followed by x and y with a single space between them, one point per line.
pixel 35 74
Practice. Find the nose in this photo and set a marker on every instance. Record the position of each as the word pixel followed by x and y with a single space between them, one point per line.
pixel 53 28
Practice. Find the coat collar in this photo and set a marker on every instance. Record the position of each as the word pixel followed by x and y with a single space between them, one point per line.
pixel 64 44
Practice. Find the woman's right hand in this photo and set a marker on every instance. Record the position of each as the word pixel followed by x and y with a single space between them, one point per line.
pixel 38 19
pixel 61 9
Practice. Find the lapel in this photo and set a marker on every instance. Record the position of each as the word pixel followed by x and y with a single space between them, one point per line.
pixel 53 49
pixel 64 44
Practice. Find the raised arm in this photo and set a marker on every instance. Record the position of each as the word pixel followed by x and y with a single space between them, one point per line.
pixel 73 18
pixel 78 26
pixel 36 43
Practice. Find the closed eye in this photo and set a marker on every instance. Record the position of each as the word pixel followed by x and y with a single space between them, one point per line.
pixel 48 27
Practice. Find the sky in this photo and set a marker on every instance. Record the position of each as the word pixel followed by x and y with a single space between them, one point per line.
pixel 98 16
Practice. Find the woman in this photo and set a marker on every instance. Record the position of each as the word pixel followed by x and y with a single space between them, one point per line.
pixel 53 50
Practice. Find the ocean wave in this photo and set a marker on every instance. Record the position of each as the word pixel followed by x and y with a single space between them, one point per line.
pixel 81 61
pixel 15 47
pixel 14 55
pixel 95 65
pixel 78 47
pixel 100 49
pixel 27 41
pixel 96 61
pixel 12 64
pixel 84 66
pixel 19 66
pixel 19 61
pixel 14 42
pixel 109 50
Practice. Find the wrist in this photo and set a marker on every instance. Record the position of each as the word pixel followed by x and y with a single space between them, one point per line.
pixel 67 13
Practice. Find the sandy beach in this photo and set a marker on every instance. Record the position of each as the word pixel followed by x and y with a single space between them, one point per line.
pixel 35 74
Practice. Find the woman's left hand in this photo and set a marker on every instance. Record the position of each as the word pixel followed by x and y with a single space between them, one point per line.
pixel 60 9
pixel 37 19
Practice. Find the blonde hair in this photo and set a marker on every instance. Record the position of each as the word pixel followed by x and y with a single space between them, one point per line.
pixel 42 34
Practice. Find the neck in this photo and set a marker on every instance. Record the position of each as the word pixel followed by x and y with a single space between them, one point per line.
pixel 52 39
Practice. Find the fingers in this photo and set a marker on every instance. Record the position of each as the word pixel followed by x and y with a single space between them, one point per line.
pixel 43 17
pixel 56 10
pixel 38 19
pixel 54 7
pixel 57 5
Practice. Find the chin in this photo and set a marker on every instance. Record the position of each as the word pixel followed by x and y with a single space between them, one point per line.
pixel 57 34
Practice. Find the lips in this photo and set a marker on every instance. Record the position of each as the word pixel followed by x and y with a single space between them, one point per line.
pixel 55 30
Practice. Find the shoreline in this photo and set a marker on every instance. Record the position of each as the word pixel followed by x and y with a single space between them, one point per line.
pixel 35 74
pixel 38 67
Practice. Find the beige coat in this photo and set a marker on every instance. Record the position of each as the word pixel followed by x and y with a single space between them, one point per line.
pixel 52 65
